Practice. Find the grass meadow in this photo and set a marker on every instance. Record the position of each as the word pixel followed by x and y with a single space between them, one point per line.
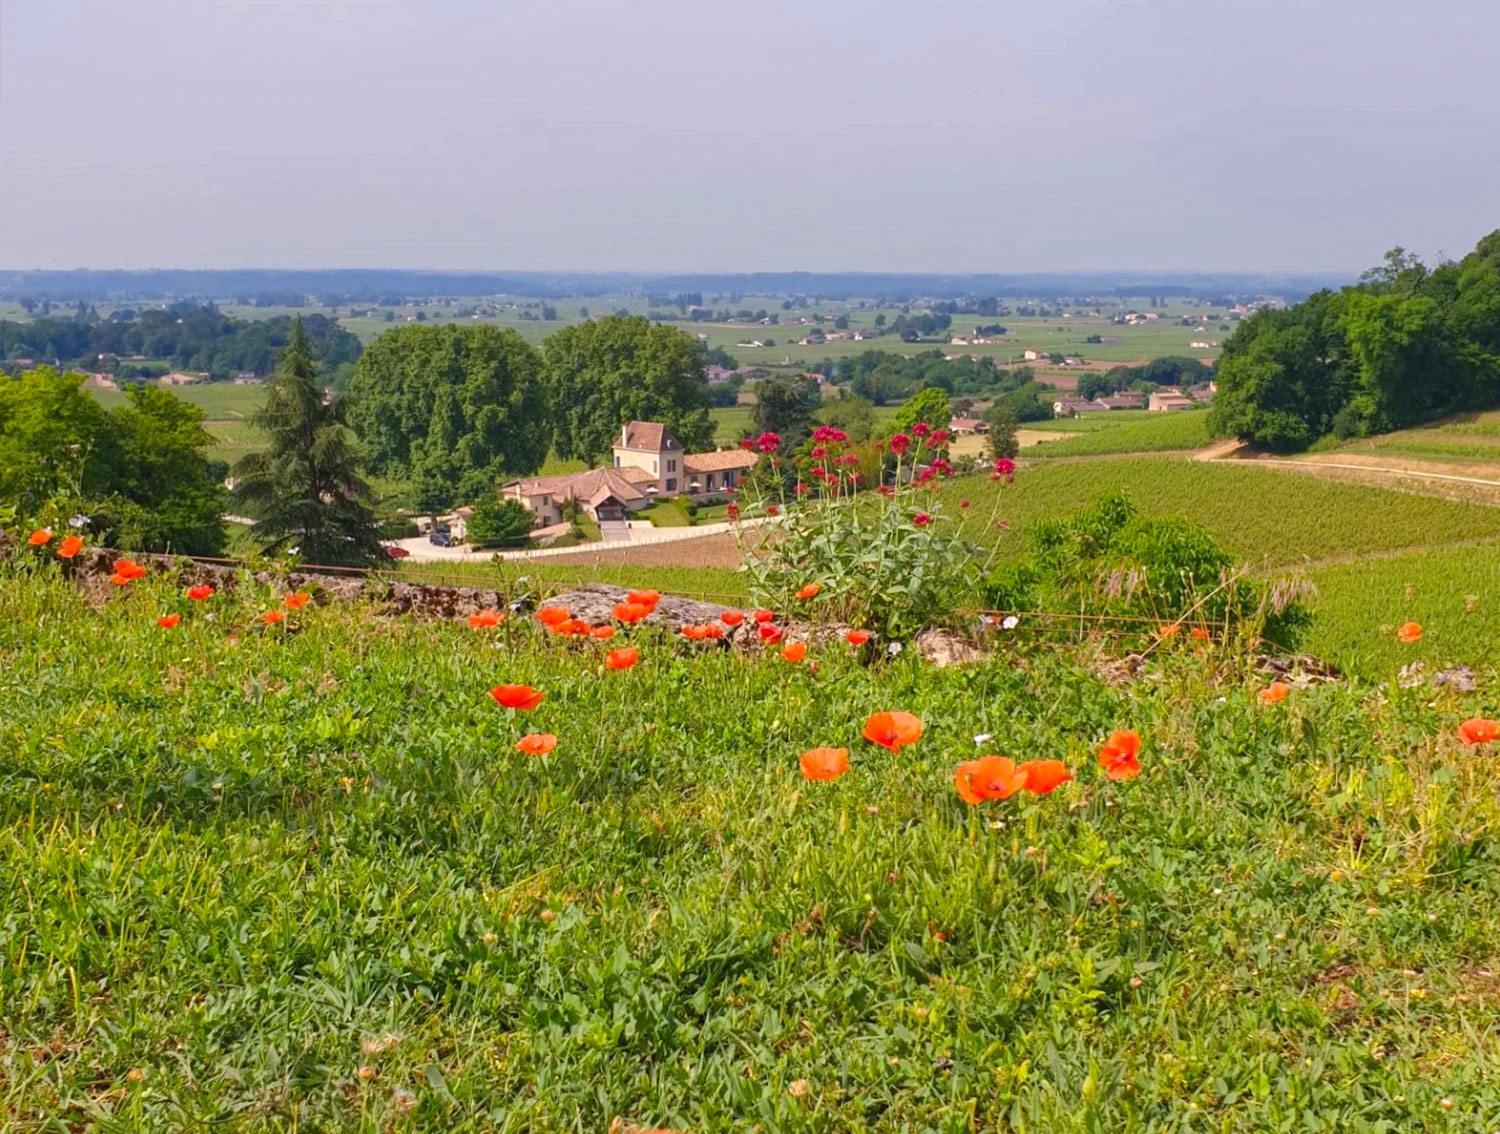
pixel 298 877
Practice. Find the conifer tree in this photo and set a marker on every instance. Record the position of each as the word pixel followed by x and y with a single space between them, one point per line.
pixel 304 491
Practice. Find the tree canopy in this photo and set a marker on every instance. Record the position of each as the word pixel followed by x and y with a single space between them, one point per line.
pixel 304 491
pixel 1405 345
pixel 453 408
pixel 188 336
pixel 787 405
pixel 929 404
pixel 609 371
pixel 137 473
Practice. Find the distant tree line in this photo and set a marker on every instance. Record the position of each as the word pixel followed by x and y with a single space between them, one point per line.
pixel 1172 370
pixel 188 336
pixel 1408 343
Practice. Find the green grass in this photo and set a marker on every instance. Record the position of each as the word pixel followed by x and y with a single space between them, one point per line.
pixel 1155 432
pixel 1454 593
pixel 239 866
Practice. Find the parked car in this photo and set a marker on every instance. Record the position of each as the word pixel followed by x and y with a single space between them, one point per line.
pixel 397 552
pixel 440 537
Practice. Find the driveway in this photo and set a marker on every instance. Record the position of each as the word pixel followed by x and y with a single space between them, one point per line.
pixel 420 551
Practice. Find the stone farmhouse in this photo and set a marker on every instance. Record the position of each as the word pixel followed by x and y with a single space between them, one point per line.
pixel 649 464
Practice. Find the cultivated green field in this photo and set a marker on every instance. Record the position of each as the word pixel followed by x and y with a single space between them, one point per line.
pixel 220 401
pixel 1067 334
pixel 1133 432
pixel 1472 438
pixel 1454 593
pixel 1261 515
pixel 299 878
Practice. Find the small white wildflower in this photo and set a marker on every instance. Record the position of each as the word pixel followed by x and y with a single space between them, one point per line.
pixel 78 522
pixel 982 738
pixel 893 649
pixel 1010 623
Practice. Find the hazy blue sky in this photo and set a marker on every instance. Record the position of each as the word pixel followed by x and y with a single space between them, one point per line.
pixel 975 135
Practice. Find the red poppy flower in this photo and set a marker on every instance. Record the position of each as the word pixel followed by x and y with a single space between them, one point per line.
pixel 604 633
pixel 167 621
pixel 271 617
pixel 770 633
pixel 572 628
pixel 1276 691
pixel 1410 632
pixel 631 611
pixel 1200 633
pixel 1118 756
pixel 552 615
pixel 989 777
pixel 298 600
pixel 623 658
pixel 809 591
pixel 893 730
pixel 522 697
pixel 70 547
pixel 200 592
pixel 795 652
pixel 713 631
pixel 1479 730
pixel 963 503
pixel 824 763
pixel 485 619
pixel 1168 632
pixel 765 615
pixel 40 538
pixel 857 637
pixel 1043 777
pixel 732 617
pixel 126 570
pixel 537 744
pixel 1005 466
pixel 694 633
pixel 644 598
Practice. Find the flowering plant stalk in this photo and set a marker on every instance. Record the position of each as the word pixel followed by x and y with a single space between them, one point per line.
pixel 873 527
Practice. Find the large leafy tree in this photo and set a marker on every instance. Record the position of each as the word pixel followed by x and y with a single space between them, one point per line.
pixel 139 473
pixel 452 408
pixel 787 405
pixel 304 490
pixel 1406 345
pixel 609 371
pixel 929 404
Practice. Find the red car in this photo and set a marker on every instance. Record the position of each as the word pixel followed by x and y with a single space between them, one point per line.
pixel 397 552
